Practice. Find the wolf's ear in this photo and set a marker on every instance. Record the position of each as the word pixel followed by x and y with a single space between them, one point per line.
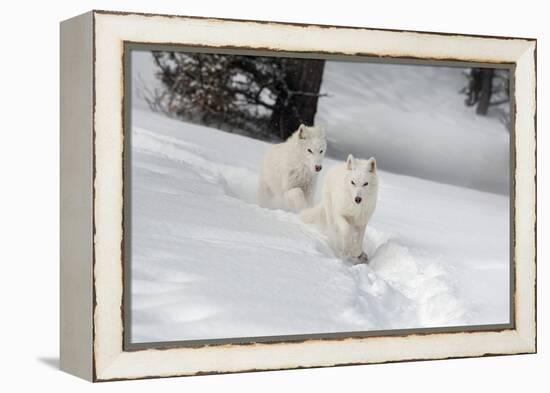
pixel 302 131
pixel 372 165
pixel 350 163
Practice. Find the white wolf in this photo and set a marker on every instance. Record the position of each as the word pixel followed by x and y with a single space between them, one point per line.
pixel 350 191
pixel 289 170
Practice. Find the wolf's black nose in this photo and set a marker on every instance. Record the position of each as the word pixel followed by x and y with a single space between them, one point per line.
pixel 358 199
pixel 318 168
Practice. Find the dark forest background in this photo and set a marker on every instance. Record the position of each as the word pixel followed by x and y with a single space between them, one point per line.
pixel 269 97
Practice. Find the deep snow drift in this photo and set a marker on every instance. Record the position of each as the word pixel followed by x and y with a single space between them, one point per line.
pixel 208 262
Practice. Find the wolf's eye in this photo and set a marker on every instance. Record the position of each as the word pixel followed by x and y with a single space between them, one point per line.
pixel 366 184
pixel 310 151
pixel 320 151
pixel 352 182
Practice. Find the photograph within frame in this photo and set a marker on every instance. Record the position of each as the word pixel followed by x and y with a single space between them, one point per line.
pixel 129 345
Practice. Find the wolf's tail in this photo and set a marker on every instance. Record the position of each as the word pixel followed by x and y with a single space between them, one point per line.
pixel 314 215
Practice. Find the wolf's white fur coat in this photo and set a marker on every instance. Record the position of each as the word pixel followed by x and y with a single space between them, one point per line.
pixel 289 170
pixel 350 192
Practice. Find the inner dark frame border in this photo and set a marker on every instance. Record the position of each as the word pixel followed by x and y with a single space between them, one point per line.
pixel 129 46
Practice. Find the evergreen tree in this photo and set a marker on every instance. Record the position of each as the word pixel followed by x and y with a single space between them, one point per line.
pixel 267 97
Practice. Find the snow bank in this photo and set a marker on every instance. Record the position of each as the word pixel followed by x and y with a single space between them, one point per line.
pixel 208 262
pixel 414 121
pixel 412 118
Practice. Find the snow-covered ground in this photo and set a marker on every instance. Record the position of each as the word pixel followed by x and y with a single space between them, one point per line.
pixel 413 119
pixel 208 262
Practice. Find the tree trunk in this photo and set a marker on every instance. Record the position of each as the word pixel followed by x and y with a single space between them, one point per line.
pixel 486 91
pixel 297 102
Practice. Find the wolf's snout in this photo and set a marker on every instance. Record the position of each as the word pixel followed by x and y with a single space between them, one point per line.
pixel 358 200
pixel 318 168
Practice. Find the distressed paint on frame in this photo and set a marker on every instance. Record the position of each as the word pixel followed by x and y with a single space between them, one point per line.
pixel 102 314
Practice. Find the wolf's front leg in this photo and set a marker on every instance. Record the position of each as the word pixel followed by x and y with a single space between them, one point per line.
pixel 308 194
pixel 357 243
pixel 343 235
pixel 295 199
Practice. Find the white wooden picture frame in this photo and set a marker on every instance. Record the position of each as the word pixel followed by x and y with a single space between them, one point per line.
pixel 92 196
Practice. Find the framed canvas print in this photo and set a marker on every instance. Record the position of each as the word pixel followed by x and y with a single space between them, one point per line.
pixel 244 195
